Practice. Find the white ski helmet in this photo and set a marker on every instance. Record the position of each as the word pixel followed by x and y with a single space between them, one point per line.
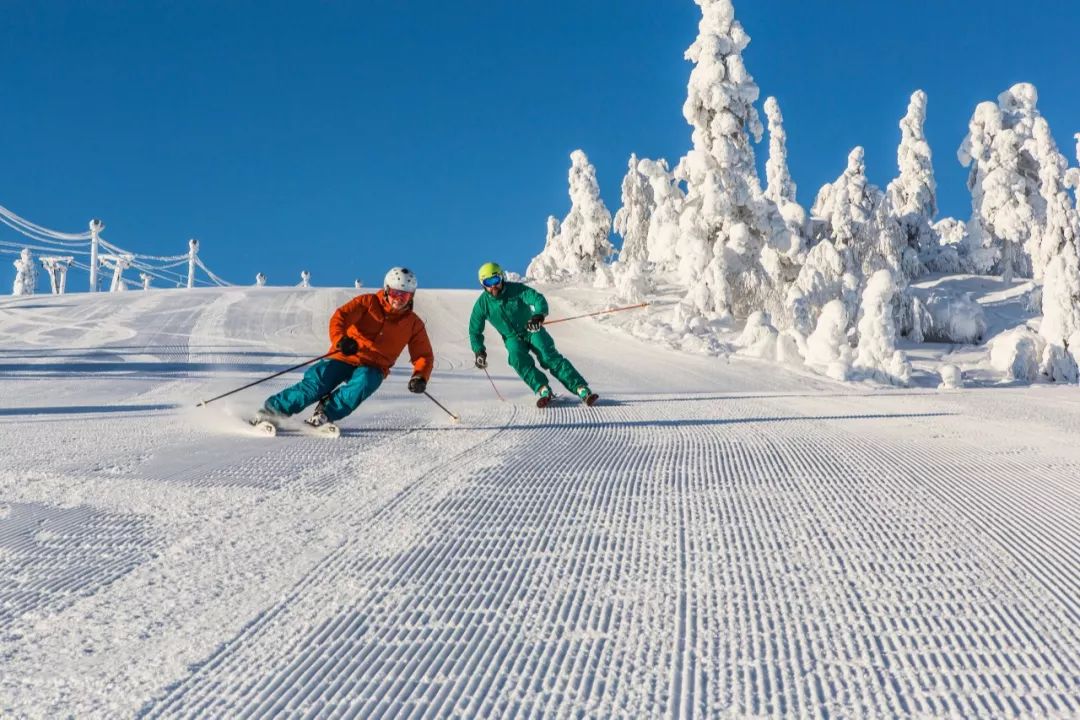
pixel 400 278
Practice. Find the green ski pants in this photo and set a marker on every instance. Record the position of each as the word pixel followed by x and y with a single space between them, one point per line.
pixel 540 343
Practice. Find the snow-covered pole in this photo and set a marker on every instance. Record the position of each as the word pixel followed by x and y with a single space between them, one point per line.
pixel 145 277
pixel 193 252
pixel 96 226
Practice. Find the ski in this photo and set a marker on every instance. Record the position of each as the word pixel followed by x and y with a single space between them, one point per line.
pixel 327 430
pixel 265 427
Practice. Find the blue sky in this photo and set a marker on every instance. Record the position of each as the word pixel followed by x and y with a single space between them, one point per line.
pixel 344 137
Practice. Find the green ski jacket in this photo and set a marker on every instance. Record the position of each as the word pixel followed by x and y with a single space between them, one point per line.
pixel 508 313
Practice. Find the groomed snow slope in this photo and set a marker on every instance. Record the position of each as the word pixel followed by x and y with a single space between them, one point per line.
pixel 718 539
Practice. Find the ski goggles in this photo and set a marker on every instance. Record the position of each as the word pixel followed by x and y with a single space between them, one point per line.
pixel 398 297
pixel 493 281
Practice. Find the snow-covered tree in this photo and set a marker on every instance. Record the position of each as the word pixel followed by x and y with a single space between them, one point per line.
pixel 1058 261
pixel 632 219
pixel 876 353
pixel 668 198
pixel 953 252
pixel 1007 208
pixel 1059 227
pixel 827 348
pixel 305 279
pixel 912 196
pixel 780 187
pixel 851 213
pixel 727 221
pixel 25 274
pixel 583 240
pixel 260 280
pixel 822 278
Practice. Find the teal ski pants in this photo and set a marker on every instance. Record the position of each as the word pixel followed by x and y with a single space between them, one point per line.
pixel 521 350
pixel 357 384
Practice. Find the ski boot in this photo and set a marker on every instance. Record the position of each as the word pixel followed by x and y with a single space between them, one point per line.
pixel 321 424
pixel 544 397
pixel 266 421
pixel 587 396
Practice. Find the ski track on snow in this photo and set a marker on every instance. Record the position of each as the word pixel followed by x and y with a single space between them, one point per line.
pixel 724 541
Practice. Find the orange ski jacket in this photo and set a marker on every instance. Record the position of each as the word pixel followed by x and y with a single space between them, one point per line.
pixel 381 334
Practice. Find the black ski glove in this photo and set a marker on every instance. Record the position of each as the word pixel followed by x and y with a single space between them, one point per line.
pixel 417 384
pixel 535 323
pixel 347 345
pixel 481 359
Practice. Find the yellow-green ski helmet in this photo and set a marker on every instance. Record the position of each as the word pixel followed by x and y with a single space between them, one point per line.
pixel 490 270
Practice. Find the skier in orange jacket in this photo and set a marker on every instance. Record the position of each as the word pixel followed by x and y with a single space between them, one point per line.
pixel 369 333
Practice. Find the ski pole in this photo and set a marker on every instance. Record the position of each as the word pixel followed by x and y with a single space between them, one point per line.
pixel 452 415
pixel 493 386
pixel 598 312
pixel 270 377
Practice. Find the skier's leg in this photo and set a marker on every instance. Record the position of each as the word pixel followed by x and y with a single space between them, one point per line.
pixel 554 361
pixel 523 364
pixel 319 380
pixel 364 382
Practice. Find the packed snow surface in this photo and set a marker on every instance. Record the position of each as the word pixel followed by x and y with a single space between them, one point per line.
pixel 720 537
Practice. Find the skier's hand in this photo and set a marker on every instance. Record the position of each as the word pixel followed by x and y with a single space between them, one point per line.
pixel 535 323
pixel 417 384
pixel 347 345
pixel 481 359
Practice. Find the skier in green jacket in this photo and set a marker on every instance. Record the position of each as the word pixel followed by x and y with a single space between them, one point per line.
pixel 517 312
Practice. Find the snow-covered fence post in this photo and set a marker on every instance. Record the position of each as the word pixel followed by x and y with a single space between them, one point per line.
pixel 57 268
pixel 305 279
pixel 260 280
pixel 145 277
pixel 96 226
pixel 193 253
pixel 25 274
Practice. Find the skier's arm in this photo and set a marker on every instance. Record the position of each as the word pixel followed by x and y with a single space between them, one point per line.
pixel 345 317
pixel 477 321
pixel 535 300
pixel 420 353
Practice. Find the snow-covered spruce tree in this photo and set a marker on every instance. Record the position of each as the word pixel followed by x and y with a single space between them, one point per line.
pixel 25 274
pixel 780 187
pixel 1058 261
pixel 583 241
pixel 668 197
pixel 827 347
pixel 952 252
pixel 1007 208
pixel 821 279
pixel 850 212
pixel 545 264
pixel 877 354
pixel 912 196
pixel 727 223
pixel 632 219
pixel 1059 226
